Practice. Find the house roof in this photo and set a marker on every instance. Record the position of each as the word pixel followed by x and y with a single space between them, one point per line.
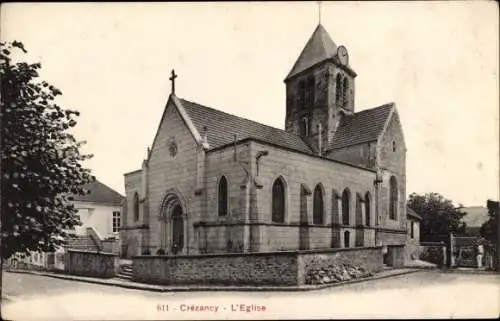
pixel 361 127
pixel 476 215
pixel 412 213
pixel 318 48
pixel 100 193
pixel 221 128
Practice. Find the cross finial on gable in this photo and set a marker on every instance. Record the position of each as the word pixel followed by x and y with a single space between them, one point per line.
pixel 172 79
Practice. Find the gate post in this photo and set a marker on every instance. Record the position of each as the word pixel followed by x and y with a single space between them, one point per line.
pixel 452 250
pixel 444 261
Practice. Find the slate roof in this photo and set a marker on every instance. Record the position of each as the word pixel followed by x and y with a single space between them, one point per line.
pixel 412 213
pixel 319 47
pixel 361 127
pixel 222 126
pixel 100 193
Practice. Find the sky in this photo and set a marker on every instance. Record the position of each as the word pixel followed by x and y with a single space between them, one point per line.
pixel 438 61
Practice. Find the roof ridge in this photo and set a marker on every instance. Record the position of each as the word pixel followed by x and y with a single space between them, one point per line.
pixel 233 115
pixel 391 104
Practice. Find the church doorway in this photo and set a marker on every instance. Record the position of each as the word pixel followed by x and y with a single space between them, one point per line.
pixel 177 229
pixel 173 226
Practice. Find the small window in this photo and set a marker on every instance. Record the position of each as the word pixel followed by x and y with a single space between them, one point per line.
pixel 302 95
pixel 223 196
pixel 338 89
pixel 345 207
pixel 318 206
pixel 116 221
pixel 278 201
pixel 393 146
pixel 393 198
pixel 345 90
pixel 309 94
pixel 136 207
pixel 347 238
pixel 412 229
pixel 367 209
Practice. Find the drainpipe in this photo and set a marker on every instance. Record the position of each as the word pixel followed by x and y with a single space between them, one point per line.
pixel 320 142
pixel 377 182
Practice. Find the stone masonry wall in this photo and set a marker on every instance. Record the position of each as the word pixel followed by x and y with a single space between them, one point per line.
pixel 395 164
pixel 229 269
pixel 297 169
pixel 369 258
pixel 361 154
pixel 173 173
pixel 102 265
pixel 270 268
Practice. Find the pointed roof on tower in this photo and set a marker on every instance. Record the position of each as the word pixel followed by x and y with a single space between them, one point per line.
pixel 319 47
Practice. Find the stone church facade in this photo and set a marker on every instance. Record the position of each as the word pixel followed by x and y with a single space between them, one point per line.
pixel 217 183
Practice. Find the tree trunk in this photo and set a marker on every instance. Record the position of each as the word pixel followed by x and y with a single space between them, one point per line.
pixel 1 282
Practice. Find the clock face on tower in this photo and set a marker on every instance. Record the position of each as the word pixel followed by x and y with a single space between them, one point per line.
pixel 342 55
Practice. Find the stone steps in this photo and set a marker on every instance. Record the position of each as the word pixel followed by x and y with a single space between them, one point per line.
pixel 125 271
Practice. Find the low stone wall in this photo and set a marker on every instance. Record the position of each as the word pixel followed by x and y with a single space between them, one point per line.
pixel 412 251
pixel 86 263
pixel 229 269
pixel 395 256
pixel 269 268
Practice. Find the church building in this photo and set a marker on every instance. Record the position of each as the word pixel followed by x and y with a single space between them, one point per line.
pixel 213 182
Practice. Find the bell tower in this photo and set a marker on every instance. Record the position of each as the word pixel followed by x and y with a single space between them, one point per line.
pixel 319 90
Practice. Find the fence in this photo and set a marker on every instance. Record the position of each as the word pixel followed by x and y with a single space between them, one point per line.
pixel 433 252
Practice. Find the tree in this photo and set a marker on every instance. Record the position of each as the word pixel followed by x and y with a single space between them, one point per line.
pixel 40 159
pixel 489 229
pixel 439 216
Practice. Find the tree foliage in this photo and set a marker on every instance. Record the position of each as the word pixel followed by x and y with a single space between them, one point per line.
pixel 439 216
pixel 41 163
pixel 489 229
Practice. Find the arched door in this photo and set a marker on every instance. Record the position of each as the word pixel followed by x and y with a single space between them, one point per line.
pixel 177 229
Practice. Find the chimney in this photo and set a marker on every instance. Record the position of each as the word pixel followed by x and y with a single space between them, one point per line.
pixel 320 140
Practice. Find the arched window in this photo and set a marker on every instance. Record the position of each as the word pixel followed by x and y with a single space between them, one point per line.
pixel 302 95
pixel 393 146
pixel 345 91
pixel 338 89
pixel 136 207
pixel 278 201
pixel 309 96
pixel 367 209
pixel 223 196
pixel 393 198
pixel 318 208
pixel 345 206
pixel 304 126
pixel 347 238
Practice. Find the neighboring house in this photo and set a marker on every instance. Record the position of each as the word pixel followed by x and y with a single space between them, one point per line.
pixel 476 216
pixel 100 212
pixel 334 177
pixel 101 209
pixel 413 234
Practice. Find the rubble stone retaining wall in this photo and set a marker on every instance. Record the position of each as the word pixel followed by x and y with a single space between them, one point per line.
pixel 269 268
